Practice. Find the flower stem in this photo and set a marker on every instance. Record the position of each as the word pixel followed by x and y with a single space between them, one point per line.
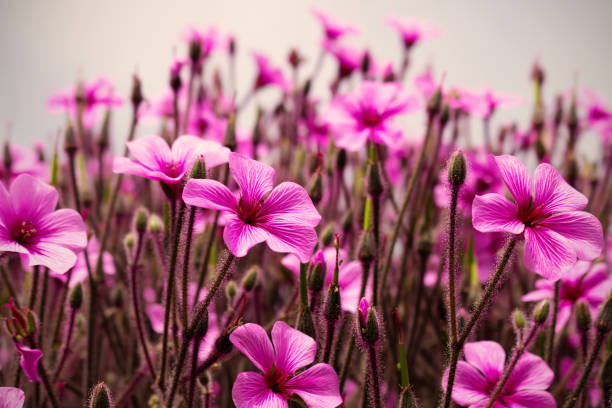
pixel 34 288
pixel 193 376
pixel 374 376
pixel 41 307
pixel 550 341
pixel 62 306
pixel 66 349
pixel 451 265
pixel 136 305
pixel 9 285
pixel 185 280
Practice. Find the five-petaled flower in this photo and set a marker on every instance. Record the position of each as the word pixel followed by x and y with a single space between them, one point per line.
pixel 477 377
pixel 289 351
pixel 11 397
pixel 556 232
pixel 282 216
pixel 32 227
pixel 367 114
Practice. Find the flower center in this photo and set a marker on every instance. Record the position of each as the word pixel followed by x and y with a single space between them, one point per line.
pixel 371 118
pixel 571 292
pixel 275 381
pixel 173 169
pixel 23 233
pixel 250 213
pixel 531 216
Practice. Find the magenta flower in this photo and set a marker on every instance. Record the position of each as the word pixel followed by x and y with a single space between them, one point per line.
pixel 79 271
pixel 11 397
pixel 367 114
pixel 209 40
pixel 349 275
pixel 413 30
pixel 349 58
pixel 425 84
pixel 282 216
pixel 333 27
pixel 487 102
pixel 289 351
pixel 556 232
pixel 477 377
pixel 155 160
pixel 23 160
pixel 267 74
pixel 584 281
pixel 29 361
pixel 31 227
pixel 599 115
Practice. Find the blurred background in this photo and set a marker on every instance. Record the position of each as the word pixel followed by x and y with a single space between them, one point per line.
pixel 46 45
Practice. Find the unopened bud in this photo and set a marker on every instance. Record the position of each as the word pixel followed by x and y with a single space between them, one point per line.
pixel 366 248
pixel 425 245
pixel 365 63
pixel 249 280
pixel 76 296
pixel 583 316
pixel 136 96
pixel 195 51
pixel 341 159
pixel 198 171
pixel 370 332
pixel 229 139
pixel 8 157
pixel 316 279
pixel 558 117
pixel 347 221
pixel 70 144
pixel 375 183
pixel 537 73
pixel 140 220
pixel 332 304
pixel 104 141
pixel 315 188
pixel 434 104
pixel 100 397
pixel 129 240
pixel 604 320
pixel 155 224
pixel 223 344
pixel 572 115
pixel 519 319
pixel 204 379
pixel 327 235
pixel 540 313
pixel 231 290
pixel 305 323
pixel 457 169
pixel 445 115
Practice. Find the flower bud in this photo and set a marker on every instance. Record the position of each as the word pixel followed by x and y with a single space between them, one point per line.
pixel 347 221
pixel 204 379
pixel 305 323
pixel 604 320
pixel 76 296
pixel 137 96
pixel 100 397
pixel 366 247
pixel 70 143
pixel 332 304
pixel 140 220
pixel 540 313
pixel 407 398
pixel 365 63
pixel 202 326
pixel 375 183
pixel 445 115
pixel 104 140
pixel 8 158
pixel 341 159
pixel 195 51
pixel 537 73
pixel 370 332
pixel 231 290
pixel 519 319
pixel 572 115
pixel 457 169
pixel 229 139
pixel 198 171
pixel 315 188
pixel 583 316
pixel 558 117
pixel 434 104
pixel 327 235
pixel 250 279
pixel 155 224
pixel 223 344
pixel 316 279
pixel 129 240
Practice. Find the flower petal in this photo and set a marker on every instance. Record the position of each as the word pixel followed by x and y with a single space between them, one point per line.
pixel 553 193
pixel 31 198
pixel 11 397
pixel 547 253
pixel 64 227
pixel 530 373
pixel 290 236
pixel 317 386
pixel 495 213
pixel 470 386
pixel 516 178
pixel 294 349
pixel 250 391
pixel 291 201
pixel 582 230
pixel 530 399
pixel 151 151
pixel 241 237
pixel 29 361
pixel 487 356
pixel 209 194
pixel 55 257
pixel 254 178
pixel 214 153
pixel 252 341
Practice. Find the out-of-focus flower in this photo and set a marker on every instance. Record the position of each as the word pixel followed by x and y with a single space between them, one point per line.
pixel 413 30
pixel 29 361
pixel 594 390
pixel 155 160
pixel 599 115
pixel 11 397
pixel 477 377
pixel 282 216
pixel 425 84
pixel 267 74
pixel 79 272
pixel 584 281
pixel 209 40
pixel 333 27
pixel 21 160
pixel 349 58
pixel 556 232
pixel 488 101
pixel 289 351
pixel 31 227
pixel 87 96
pixel 367 114
pixel 349 275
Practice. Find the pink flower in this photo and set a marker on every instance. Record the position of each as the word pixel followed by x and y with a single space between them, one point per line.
pixel 23 160
pixel 582 282
pixel 209 40
pixel 364 307
pixel 349 275
pixel 425 84
pixel 282 216
pixel 31 227
pixel 413 30
pixel 155 160
pixel 367 114
pixel 599 116
pixel 267 74
pixel 487 102
pixel 79 271
pixel 477 377
pixel 349 58
pixel 556 232
pixel 333 27
pixel 289 351
pixel 29 361
pixel 11 397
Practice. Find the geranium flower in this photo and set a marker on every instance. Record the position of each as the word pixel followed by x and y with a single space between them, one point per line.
pixel 349 275
pixel 412 29
pixel 282 216
pixel 333 27
pixel 155 160
pixel 31 227
pixel 79 271
pixel 599 115
pixel 367 114
pixel 584 281
pixel 556 232
pixel 209 40
pixel 11 397
pixel 477 377
pixel 29 361
pixel 267 74
pixel 289 351
pixel 488 101
pixel 349 58
pixel 22 160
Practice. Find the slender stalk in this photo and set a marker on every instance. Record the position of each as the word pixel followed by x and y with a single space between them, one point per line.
pixel 66 348
pixel 9 285
pixel 42 308
pixel 136 379
pixel 193 376
pixel 62 306
pixel 185 281
pixel 550 341
pixel 177 374
pixel 169 294
pixel 34 288
pixel 451 265
pixel 136 305
pixel 573 399
pixel 329 340
pixel 374 376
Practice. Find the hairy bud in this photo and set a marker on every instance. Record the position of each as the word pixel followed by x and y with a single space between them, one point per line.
pixel 100 397
pixel 198 171
pixel 76 296
pixel 70 143
pixel 155 224
pixel 519 319
pixel 604 320
pixel 540 313
pixel 583 316
pixel 140 220
pixel 457 169
pixel 250 279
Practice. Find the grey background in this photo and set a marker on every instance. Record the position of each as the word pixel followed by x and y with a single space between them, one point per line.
pixel 45 45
